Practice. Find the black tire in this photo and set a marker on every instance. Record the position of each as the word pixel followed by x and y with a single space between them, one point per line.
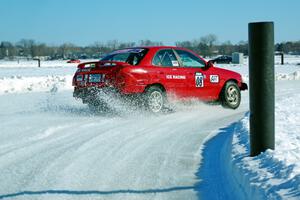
pixel 155 99
pixel 231 95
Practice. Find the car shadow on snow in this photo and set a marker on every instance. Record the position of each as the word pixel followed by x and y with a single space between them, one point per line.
pixel 215 174
pixel 215 183
pixel 96 192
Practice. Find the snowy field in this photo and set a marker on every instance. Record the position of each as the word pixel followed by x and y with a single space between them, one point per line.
pixel 53 147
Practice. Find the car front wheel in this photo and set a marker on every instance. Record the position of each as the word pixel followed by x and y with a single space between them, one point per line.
pixel 231 95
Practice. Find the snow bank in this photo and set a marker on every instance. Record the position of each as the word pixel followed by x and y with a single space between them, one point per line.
pixel 288 59
pixel 289 71
pixel 272 174
pixel 20 84
pixel 280 76
pixel 24 76
pixel 216 176
pixel 34 63
pixel 292 76
pixel 33 79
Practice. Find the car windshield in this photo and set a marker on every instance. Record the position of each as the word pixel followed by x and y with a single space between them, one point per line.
pixel 131 56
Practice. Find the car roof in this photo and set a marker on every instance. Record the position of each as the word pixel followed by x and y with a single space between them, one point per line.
pixel 157 48
pixel 152 47
pixel 147 60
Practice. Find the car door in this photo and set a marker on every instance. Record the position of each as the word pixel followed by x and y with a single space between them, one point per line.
pixel 171 75
pixel 198 76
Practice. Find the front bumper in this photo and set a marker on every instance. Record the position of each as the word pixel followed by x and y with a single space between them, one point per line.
pixel 244 86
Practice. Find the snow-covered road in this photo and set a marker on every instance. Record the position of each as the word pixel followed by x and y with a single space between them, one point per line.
pixel 52 147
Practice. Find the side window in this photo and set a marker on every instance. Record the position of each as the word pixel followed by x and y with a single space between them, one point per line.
pixel 190 60
pixel 165 58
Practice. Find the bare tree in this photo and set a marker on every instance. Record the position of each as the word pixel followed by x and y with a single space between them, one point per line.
pixel 40 50
pixel 27 47
pixel 149 43
pixel 206 44
pixel 113 44
pixel 67 50
pixel 7 49
pixel 209 40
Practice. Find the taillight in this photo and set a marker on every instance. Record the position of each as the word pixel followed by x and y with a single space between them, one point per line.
pixel 79 78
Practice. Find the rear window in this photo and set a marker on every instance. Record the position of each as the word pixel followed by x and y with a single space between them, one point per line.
pixel 131 56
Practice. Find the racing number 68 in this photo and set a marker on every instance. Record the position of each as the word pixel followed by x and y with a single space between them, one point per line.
pixel 199 80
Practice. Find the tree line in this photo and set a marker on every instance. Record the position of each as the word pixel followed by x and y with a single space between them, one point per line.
pixel 206 46
pixel 28 48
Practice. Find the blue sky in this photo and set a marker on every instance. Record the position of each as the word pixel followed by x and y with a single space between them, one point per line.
pixel 83 22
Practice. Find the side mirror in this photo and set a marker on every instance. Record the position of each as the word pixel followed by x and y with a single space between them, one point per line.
pixel 209 64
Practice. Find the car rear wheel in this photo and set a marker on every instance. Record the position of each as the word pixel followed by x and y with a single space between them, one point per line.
pixel 98 106
pixel 231 95
pixel 155 99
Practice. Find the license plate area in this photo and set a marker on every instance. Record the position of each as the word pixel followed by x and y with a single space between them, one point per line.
pixel 96 78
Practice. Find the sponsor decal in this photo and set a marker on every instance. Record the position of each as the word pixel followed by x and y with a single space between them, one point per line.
pixel 175 63
pixel 109 64
pixel 214 78
pixel 199 79
pixel 181 77
pixel 84 70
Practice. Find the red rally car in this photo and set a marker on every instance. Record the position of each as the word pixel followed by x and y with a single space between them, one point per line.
pixel 156 75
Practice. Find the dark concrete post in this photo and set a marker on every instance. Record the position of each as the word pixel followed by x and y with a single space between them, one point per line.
pixel 261 81
pixel 39 61
pixel 282 58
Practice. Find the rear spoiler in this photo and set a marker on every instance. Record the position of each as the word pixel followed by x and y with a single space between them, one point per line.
pixel 101 64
